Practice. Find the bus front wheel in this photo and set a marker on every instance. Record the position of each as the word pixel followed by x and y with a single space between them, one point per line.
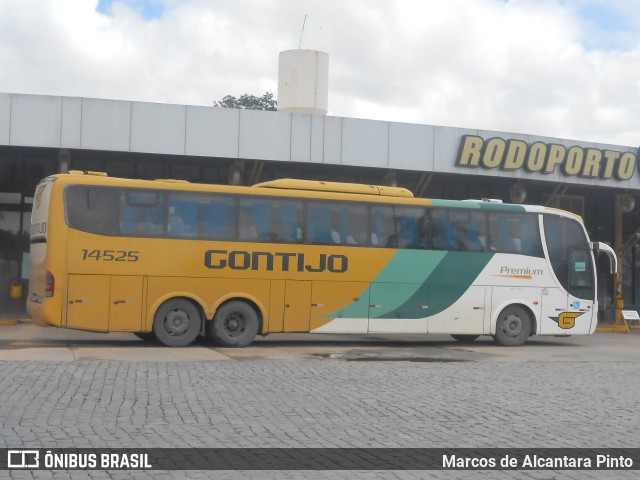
pixel 513 326
pixel 235 324
pixel 177 323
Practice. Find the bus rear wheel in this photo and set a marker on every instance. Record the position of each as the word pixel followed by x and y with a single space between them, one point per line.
pixel 235 324
pixel 513 326
pixel 177 323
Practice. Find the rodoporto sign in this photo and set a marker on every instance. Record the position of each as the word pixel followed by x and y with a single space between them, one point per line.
pixel 545 158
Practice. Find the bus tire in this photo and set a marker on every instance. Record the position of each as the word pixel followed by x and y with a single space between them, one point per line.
pixel 177 323
pixel 235 324
pixel 513 326
pixel 464 338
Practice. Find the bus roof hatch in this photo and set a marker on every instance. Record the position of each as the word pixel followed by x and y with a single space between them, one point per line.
pixel 337 187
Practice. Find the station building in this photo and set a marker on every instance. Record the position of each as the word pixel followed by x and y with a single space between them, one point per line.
pixel 43 135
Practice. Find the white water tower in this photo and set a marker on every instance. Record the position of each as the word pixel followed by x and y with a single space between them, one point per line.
pixel 303 82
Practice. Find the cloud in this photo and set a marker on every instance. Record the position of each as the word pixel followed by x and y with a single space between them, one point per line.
pixel 546 67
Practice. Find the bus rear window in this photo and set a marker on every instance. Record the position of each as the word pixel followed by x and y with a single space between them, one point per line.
pixel 92 209
pixel 111 211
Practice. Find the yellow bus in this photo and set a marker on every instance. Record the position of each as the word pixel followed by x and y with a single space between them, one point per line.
pixel 173 260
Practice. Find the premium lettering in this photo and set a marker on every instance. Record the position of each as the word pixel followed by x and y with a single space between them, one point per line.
pixel 520 271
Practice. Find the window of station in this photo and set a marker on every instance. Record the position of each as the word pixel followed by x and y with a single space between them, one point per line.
pixel 181 171
pixel 337 223
pixel 151 170
pixel 11 173
pixel 270 220
pixel 87 164
pixel 37 169
pixel 120 168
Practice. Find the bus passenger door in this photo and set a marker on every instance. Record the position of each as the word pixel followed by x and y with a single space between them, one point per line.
pixel 564 312
pixel 125 304
pixel 297 305
pixel 580 317
pixel 554 305
pixel 88 302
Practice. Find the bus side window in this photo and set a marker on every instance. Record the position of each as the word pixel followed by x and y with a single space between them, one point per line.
pixel 499 231
pixel 219 219
pixel 382 225
pixel 444 235
pixel 408 225
pixel 262 217
pixel 142 213
pixel 270 220
pixel 353 224
pixel 339 223
pixel 183 216
pixel 424 228
pixel 246 224
pixel 471 228
pixel 319 227
pixel 531 243
pixel 289 220
pixel 515 233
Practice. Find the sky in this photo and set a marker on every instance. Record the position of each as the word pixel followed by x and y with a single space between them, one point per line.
pixel 557 68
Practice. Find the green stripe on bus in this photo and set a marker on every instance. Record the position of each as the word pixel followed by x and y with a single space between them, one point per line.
pixel 415 279
pixel 409 268
pixel 500 207
pixel 442 287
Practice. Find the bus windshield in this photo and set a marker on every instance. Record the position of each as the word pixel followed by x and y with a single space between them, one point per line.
pixel 570 256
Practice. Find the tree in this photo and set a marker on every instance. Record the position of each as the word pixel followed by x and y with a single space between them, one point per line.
pixel 250 102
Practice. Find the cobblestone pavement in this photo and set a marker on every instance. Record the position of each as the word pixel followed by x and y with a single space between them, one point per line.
pixel 318 403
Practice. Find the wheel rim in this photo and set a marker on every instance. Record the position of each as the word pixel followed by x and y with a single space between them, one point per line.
pixel 512 325
pixel 234 324
pixel 177 322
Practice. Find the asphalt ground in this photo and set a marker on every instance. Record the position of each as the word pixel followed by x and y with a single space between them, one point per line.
pixel 69 389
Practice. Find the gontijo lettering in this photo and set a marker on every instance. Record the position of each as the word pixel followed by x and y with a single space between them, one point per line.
pixel 279 261
pixel 545 158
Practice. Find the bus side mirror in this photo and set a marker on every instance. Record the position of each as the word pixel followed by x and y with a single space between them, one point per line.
pixel 613 259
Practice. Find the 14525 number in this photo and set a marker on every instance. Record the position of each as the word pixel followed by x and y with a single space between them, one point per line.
pixel 111 255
